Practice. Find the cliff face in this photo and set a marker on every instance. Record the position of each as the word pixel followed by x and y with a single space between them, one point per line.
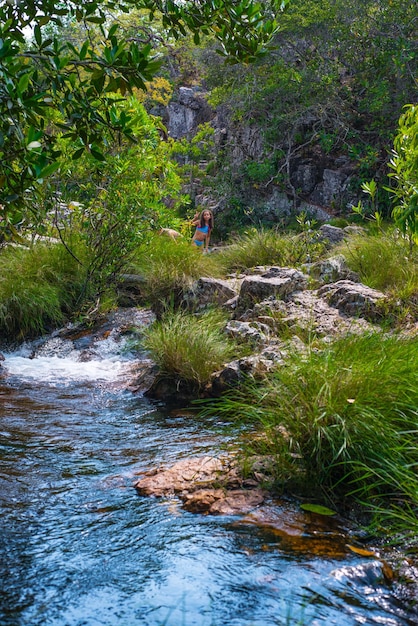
pixel 314 182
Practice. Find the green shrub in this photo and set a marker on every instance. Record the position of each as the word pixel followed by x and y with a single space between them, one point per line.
pixel 188 348
pixel 169 268
pixel 38 288
pixel 268 247
pixel 344 419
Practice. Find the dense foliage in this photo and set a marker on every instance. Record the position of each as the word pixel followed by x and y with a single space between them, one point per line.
pixel 52 87
pixel 333 88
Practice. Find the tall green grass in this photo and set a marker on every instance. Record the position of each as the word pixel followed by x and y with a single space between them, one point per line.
pixel 188 348
pixel 384 261
pixel 343 420
pixel 38 288
pixel 170 267
pixel 268 247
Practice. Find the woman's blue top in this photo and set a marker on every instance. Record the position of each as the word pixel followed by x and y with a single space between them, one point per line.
pixel 203 229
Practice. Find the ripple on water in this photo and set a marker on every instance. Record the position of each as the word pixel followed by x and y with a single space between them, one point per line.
pixel 80 547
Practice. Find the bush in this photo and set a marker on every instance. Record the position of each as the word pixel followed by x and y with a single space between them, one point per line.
pixel 188 348
pixel 39 286
pixel 169 268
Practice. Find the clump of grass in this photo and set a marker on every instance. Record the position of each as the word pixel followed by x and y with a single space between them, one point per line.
pixel 345 418
pixel 383 261
pixel 188 348
pixel 268 247
pixel 38 287
pixel 169 268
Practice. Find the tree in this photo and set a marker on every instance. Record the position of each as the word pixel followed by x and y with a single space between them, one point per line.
pixel 50 88
pixel 404 172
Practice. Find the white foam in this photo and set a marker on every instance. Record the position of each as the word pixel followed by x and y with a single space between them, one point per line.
pixel 53 369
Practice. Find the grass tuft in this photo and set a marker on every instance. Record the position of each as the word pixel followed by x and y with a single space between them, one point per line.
pixel 38 287
pixel 188 348
pixel 384 261
pixel 268 247
pixel 344 418
pixel 170 267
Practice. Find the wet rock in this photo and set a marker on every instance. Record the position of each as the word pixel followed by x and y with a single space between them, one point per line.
pixel 143 376
pixel 229 376
pixel 219 502
pixel 170 389
pixel 205 485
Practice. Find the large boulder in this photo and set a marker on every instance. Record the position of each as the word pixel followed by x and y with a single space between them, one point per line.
pixel 277 282
pixel 208 291
pixel 354 299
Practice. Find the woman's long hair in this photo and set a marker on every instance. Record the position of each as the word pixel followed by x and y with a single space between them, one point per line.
pixel 202 221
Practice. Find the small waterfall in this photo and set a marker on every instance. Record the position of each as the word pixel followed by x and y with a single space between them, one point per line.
pixel 106 353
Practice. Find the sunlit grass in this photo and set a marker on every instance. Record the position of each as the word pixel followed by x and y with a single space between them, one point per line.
pixel 188 348
pixel 344 419
pixel 384 261
pixel 169 268
pixel 38 288
pixel 268 247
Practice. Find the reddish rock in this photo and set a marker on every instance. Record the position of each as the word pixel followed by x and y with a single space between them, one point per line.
pixel 205 485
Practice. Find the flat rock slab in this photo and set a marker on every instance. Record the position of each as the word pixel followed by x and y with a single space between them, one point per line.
pixel 205 485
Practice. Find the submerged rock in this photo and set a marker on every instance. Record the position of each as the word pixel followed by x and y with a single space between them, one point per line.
pixel 205 485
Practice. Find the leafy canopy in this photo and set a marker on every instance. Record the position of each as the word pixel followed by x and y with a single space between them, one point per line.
pixel 50 87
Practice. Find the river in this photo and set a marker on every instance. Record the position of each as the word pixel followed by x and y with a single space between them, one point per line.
pixel 80 547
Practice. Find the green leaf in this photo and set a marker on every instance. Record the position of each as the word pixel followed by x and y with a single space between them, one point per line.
pixel 49 169
pixel 317 508
pixel 38 35
pixel 23 82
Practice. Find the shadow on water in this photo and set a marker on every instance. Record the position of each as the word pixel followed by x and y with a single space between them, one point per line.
pixel 79 547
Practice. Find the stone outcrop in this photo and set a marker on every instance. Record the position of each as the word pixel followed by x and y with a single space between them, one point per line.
pixel 354 299
pixel 205 485
pixel 332 269
pixel 276 282
pixel 207 291
pixel 185 114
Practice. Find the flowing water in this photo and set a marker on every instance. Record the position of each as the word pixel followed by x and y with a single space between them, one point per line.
pixel 80 547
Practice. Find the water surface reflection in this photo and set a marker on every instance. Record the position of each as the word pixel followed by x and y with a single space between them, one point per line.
pixel 80 547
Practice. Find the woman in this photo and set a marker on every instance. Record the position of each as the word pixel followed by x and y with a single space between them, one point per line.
pixel 204 226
